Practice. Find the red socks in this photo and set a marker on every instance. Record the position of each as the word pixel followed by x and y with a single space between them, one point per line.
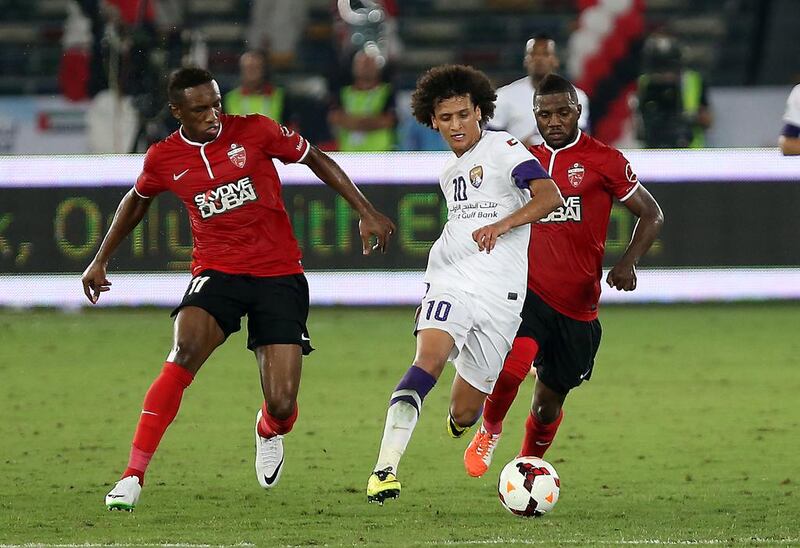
pixel 515 369
pixel 538 436
pixel 160 406
pixel 269 426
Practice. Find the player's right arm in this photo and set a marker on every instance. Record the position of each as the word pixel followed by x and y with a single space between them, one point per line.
pixel 546 198
pixel 130 212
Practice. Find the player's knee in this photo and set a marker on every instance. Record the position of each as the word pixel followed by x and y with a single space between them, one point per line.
pixel 546 412
pixel 188 353
pixel 432 364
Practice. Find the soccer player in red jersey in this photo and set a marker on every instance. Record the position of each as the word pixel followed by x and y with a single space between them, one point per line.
pixel 245 261
pixel 560 332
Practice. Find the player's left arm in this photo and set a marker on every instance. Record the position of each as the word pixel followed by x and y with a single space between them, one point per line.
pixel 650 220
pixel 372 222
pixel 546 198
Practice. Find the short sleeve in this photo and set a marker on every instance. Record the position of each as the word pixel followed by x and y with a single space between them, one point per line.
pixel 519 164
pixel 619 177
pixel 280 142
pixel 149 184
pixel 792 115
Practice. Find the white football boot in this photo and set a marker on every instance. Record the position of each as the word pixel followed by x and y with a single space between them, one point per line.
pixel 124 495
pixel 269 458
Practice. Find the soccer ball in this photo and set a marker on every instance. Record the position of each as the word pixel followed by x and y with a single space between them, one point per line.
pixel 528 486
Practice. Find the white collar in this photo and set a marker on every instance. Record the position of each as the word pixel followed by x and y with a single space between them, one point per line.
pixel 195 143
pixel 569 145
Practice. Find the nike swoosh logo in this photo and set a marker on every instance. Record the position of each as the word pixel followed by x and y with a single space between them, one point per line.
pixel 179 175
pixel 271 479
pixel 115 496
pixel 542 443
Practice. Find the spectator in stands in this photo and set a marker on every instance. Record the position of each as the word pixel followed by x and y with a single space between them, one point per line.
pixel 674 111
pixel 256 94
pixel 363 116
pixel 276 26
pixel 789 140
pixel 73 72
pixel 514 107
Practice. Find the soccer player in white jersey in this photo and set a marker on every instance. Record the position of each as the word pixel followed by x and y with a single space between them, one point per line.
pixel 514 107
pixel 476 273
pixel 789 140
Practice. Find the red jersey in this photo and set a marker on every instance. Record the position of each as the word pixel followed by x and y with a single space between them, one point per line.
pixel 565 256
pixel 233 194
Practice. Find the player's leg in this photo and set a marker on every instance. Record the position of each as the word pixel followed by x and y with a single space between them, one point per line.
pixel 277 334
pixel 466 404
pixel 433 349
pixel 280 366
pixel 196 335
pixel 442 323
pixel 497 341
pixel 532 334
pixel 516 367
pixel 567 362
pixel 543 421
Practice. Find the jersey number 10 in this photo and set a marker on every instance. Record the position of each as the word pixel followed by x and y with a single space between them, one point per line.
pixel 459 189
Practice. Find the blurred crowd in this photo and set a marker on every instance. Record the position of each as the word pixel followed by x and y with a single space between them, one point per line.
pixel 117 53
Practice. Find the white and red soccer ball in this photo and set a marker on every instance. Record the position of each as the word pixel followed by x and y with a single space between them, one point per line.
pixel 528 486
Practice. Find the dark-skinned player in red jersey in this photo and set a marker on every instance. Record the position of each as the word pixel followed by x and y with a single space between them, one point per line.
pixel 245 261
pixel 560 332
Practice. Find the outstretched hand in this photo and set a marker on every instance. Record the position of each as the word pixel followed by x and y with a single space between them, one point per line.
pixel 375 225
pixel 623 277
pixel 486 236
pixel 95 281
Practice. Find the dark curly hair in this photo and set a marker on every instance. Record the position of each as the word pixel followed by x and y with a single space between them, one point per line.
pixel 446 81
pixel 187 77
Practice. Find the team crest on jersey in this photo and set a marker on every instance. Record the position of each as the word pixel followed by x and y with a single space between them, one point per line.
pixel 237 155
pixel 476 176
pixel 575 174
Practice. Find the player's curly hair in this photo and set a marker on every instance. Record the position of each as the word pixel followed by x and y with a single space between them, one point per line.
pixel 187 77
pixel 446 81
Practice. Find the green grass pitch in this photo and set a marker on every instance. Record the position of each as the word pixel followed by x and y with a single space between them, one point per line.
pixel 689 433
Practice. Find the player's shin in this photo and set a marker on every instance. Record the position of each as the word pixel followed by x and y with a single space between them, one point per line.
pixel 160 406
pixel 539 436
pixel 401 418
pixel 515 368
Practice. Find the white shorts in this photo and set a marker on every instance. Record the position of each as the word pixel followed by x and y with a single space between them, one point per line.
pixel 482 327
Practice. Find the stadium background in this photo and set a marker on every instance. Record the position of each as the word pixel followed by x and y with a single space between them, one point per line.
pixel 687 434
pixel 744 50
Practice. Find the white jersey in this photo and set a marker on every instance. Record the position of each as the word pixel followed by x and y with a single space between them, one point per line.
pixel 792 114
pixel 480 190
pixel 514 111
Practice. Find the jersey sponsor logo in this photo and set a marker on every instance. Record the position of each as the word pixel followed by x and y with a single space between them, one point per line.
pixel 237 155
pixel 570 211
pixel 575 174
pixel 225 197
pixel 629 174
pixel 476 176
